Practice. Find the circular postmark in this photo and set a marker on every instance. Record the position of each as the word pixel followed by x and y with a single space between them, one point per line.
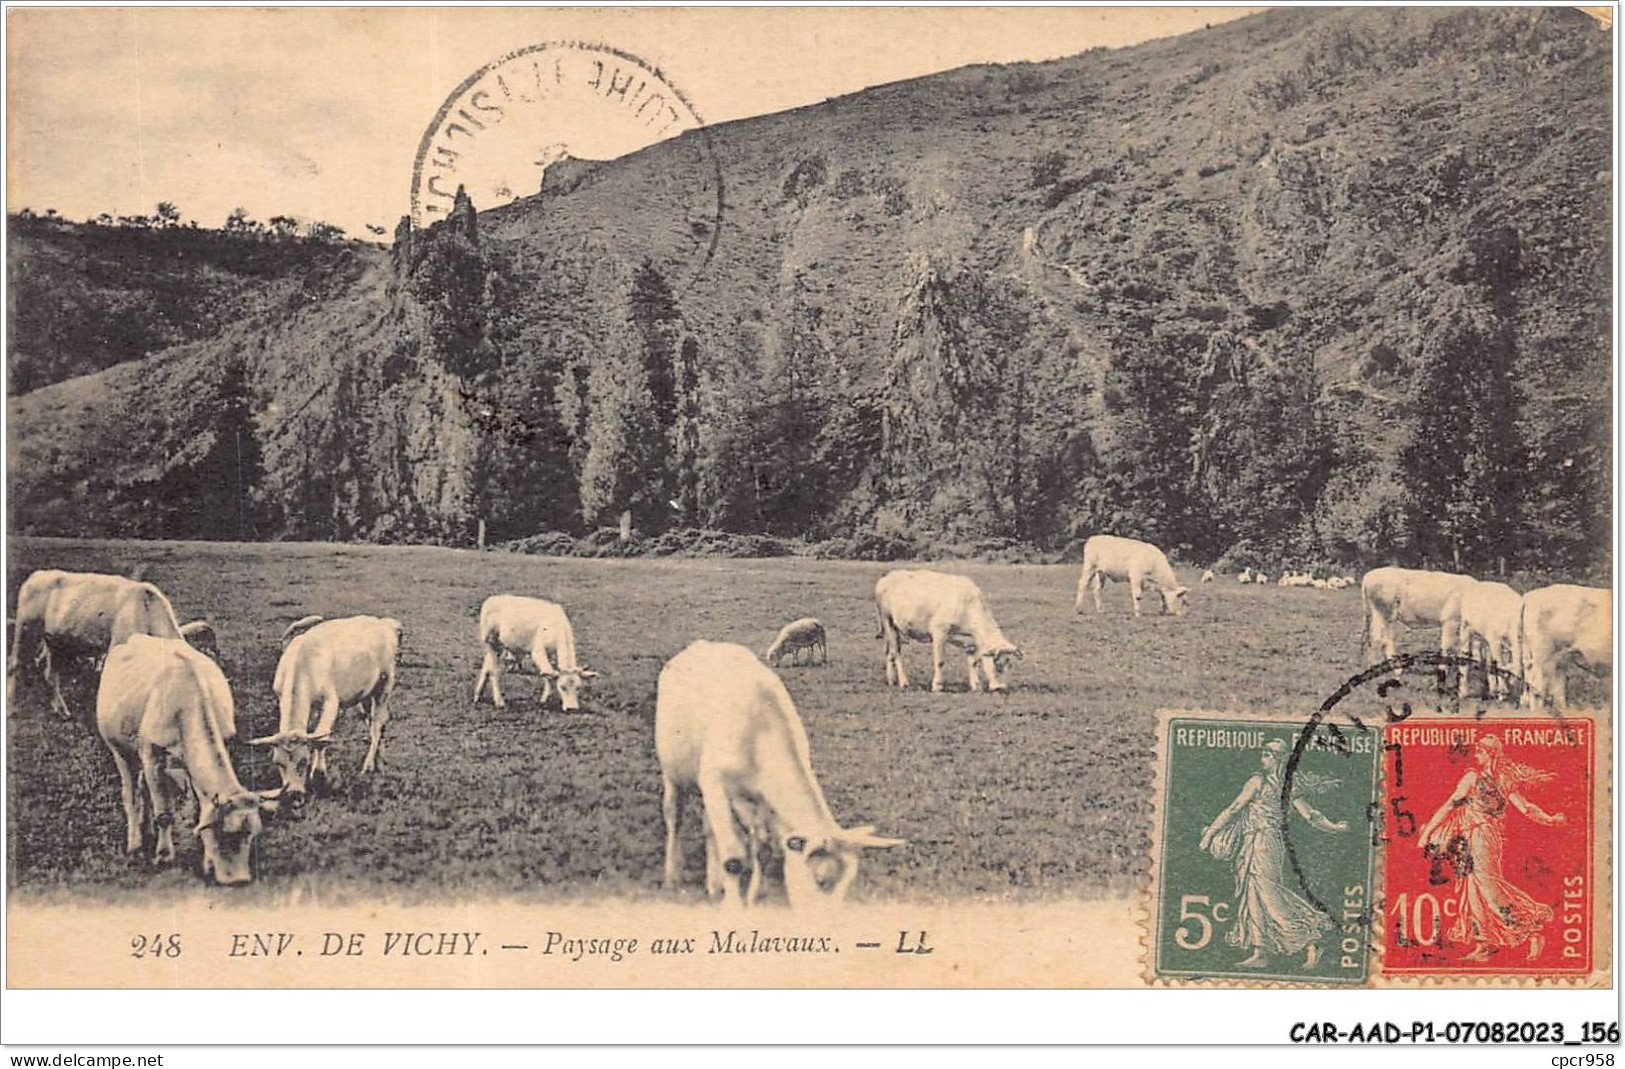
pixel 543 119
pixel 1325 731
pixel 1447 773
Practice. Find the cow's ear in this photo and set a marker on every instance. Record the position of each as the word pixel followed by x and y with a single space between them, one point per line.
pixel 864 835
pixel 208 815
pixel 268 801
pixel 588 673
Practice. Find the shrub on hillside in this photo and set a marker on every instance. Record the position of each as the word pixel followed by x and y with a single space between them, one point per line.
pixel 678 542
pixel 1047 169
pixel 546 544
pixel 868 545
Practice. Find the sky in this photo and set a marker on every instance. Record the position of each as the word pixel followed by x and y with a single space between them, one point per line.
pixel 318 112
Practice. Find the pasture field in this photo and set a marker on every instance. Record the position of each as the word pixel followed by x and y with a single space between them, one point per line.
pixel 1044 791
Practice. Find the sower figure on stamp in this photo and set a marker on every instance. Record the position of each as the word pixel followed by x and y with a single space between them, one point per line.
pixel 1271 917
pixel 1466 833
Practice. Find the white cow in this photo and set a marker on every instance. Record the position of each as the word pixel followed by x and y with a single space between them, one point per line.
pixel 1261 578
pixel 1246 576
pixel 1207 576
pixel 340 664
pixel 1412 597
pixel 1565 627
pixel 726 727
pixel 83 615
pixel 1109 557
pixel 943 610
pixel 163 706
pixel 535 627
pixel 1487 616
pixel 807 634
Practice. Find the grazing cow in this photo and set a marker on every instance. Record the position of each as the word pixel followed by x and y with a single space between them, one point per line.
pixel 339 663
pixel 1412 597
pixel 1487 616
pixel 161 706
pixel 943 610
pixel 1261 578
pixel 81 615
pixel 803 634
pixel 1109 557
pixel 1207 576
pixel 533 626
pixel 726 727
pixel 1564 627
pixel 1246 576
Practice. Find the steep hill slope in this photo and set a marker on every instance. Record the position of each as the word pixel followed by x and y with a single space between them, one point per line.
pixel 84 297
pixel 1209 290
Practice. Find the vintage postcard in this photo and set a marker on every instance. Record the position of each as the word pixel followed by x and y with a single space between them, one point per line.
pixel 809 498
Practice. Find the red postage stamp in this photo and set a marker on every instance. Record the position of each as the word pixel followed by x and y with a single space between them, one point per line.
pixel 1488 858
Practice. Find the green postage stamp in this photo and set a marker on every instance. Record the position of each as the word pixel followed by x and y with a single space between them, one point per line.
pixel 1262 855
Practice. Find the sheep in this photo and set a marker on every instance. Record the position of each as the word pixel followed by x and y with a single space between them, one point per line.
pixel 803 634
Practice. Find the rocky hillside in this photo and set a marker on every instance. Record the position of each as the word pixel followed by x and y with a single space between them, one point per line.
pixel 1255 290
pixel 85 297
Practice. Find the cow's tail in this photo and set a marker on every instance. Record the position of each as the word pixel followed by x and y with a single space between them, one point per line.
pixel 28 624
pixel 1366 609
pixel 1520 645
pixel 283 667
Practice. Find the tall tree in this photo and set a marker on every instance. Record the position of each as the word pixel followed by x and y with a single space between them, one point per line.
pixel 1149 436
pixel 624 465
pixel 686 433
pixel 1463 463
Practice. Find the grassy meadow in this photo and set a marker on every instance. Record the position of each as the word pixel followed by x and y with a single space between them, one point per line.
pixel 1043 791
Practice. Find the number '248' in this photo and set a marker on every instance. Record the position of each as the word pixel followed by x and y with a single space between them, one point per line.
pixel 158 946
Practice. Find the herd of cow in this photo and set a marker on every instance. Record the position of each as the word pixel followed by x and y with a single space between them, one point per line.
pixel 725 726
pixel 1525 645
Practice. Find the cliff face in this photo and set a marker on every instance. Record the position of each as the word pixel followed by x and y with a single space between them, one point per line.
pixel 1186 290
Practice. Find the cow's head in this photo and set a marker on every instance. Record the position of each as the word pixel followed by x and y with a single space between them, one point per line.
pixel 200 635
pixel 293 753
pixel 1175 601
pixel 226 827
pixel 996 662
pixel 822 871
pixel 569 681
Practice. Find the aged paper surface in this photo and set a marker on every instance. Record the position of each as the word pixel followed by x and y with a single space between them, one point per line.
pixel 799 359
